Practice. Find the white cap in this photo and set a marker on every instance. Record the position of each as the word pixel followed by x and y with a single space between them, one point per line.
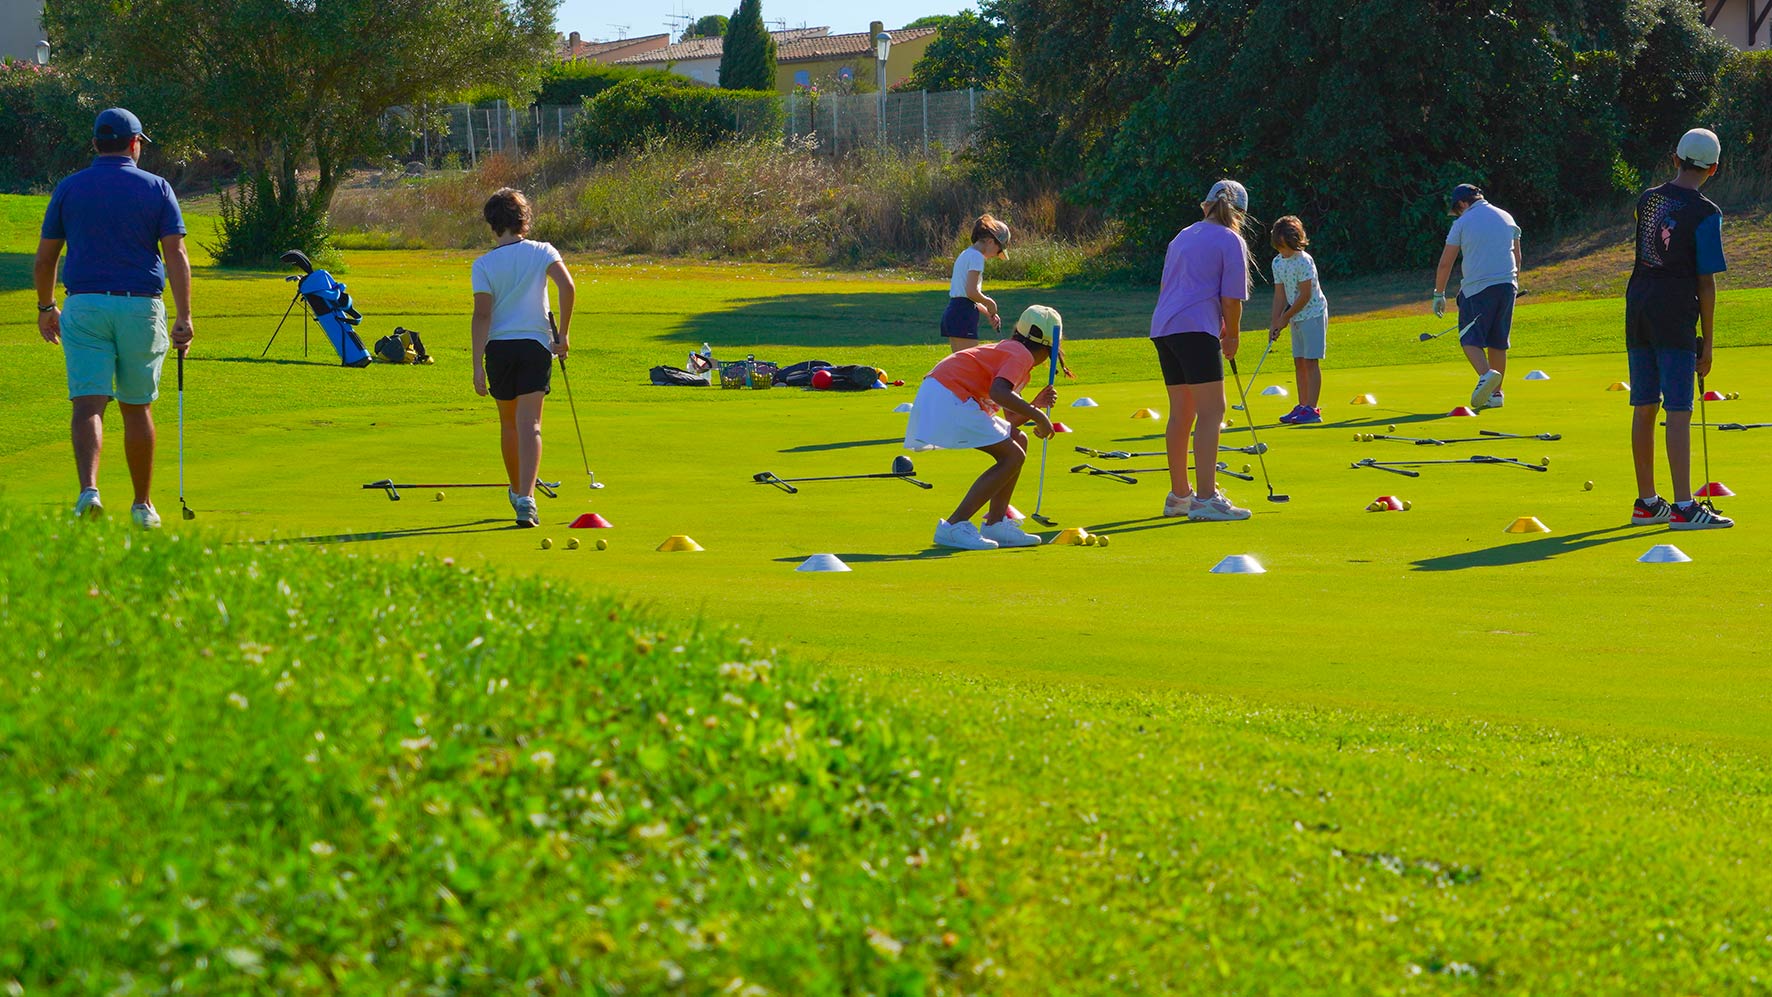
pixel 1230 190
pixel 1700 147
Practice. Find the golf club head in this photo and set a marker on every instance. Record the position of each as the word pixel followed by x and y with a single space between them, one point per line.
pixel 762 477
pixel 1427 337
pixel 1238 407
pixel 1282 499
pixel 189 515
pixel 902 465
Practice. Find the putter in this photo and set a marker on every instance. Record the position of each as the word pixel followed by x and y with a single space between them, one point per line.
pixel 188 514
pixel 902 470
pixel 589 476
pixel 1704 432
pixel 1428 337
pixel 1386 465
pixel 1126 475
pixel 1488 435
pixel 1045 444
pixel 387 485
pixel 1733 427
pixel 1492 434
pixel 1255 376
pixel 1260 454
pixel 1376 466
pixel 1128 455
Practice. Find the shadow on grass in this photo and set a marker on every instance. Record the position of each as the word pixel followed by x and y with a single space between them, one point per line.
pixel 932 554
pixel 272 361
pixel 451 529
pixel 1531 551
pixel 846 445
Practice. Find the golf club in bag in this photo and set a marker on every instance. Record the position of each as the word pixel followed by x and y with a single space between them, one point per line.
pixel 902 470
pixel 334 311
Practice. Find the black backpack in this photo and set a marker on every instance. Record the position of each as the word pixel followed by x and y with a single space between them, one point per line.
pixel 798 375
pixel 667 377
pixel 853 377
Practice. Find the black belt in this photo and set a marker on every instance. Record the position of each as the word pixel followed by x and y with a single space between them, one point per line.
pixel 119 294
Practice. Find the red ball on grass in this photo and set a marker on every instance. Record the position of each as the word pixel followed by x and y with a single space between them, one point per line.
pixel 821 379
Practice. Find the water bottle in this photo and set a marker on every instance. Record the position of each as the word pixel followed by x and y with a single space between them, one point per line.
pixel 750 362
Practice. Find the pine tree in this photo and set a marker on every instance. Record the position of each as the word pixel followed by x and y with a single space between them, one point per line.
pixel 747 62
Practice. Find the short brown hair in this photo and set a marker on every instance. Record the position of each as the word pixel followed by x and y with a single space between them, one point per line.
pixel 989 227
pixel 508 211
pixel 1288 233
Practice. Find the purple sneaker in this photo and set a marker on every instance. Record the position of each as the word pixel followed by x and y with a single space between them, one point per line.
pixel 1308 416
pixel 1297 414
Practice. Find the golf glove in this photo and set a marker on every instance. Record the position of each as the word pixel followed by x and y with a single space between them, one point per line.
pixel 1439 304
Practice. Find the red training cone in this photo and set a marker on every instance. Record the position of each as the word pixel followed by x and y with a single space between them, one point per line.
pixel 1715 489
pixel 1015 514
pixel 1059 427
pixel 591 521
pixel 1462 410
pixel 1715 396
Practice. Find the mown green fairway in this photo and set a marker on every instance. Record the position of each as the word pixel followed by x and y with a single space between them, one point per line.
pixel 1338 814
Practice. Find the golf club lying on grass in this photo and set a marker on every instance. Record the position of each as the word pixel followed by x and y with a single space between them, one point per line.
pixel 1252 450
pixel 589 476
pixel 902 470
pixel 1260 454
pixel 1733 427
pixel 387 485
pixel 1257 375
pixel 181 438
pixel 1487 435
pixel 1428 337
pixel 1126 475
pixel 1394 465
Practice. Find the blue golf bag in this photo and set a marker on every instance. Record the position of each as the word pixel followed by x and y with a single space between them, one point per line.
pixel 336 315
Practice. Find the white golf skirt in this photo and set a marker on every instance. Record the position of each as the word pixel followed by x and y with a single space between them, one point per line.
pixel 940 420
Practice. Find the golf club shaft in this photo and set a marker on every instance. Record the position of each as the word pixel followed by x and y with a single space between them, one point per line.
pixel 1260 451
pixel 1046 444
pixel 1703 426
pixel 572 406
pixel 184 508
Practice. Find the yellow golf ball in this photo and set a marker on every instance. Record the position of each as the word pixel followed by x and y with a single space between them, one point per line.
pixel 1392 429
pixel 602 545
pixel 1246 468
pixel 572 544
pixel 1544 462
pixel 439 496
pixel 546 543
pixel 1101 541
pixel 1090 540
pixel 1407 505
pixel 1375 507
pixel 1587 487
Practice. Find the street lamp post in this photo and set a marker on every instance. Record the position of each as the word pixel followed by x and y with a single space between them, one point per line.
pixel 882 49
pixel 42 53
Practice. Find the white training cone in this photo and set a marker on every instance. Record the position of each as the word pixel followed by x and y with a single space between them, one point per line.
pixel 1239 564
pixel 1274 391
pixel 1084 403
pixel 902 407
pixel 1664 554
pixel 1537 375
pixel 823 562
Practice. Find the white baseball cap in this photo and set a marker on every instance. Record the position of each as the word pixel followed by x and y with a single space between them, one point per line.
pixel 1700 147
pixel 1232 191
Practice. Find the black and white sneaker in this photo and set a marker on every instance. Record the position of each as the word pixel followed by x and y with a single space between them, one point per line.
pixel 1699 516
pixel 1651 512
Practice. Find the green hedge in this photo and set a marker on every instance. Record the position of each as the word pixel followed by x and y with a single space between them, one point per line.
pixel 628 115
pixel 1743 113
pixel 573 82
pixel 45 132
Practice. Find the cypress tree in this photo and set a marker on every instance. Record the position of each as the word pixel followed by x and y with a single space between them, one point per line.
pixel 747 61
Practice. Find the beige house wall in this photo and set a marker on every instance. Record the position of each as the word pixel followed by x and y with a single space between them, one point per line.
pixel 1747 24
pixel 905 55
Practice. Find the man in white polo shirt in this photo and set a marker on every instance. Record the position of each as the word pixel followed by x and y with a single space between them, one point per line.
pixel 1490 242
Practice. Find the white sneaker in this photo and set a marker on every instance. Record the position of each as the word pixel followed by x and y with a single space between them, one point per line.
pixel 1176 506
pixel 1008 533
pixel 961 536
pixel 1485 389
pixel 513 497
pixel 1495 400
pixel 144 515
pixel 527 514
pixel 1217 509
pixel 87 506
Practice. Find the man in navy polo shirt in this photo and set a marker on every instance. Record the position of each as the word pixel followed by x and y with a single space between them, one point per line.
pixel 119 223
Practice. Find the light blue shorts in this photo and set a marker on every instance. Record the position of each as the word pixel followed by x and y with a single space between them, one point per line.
pixel 114 346
pixel 1310 337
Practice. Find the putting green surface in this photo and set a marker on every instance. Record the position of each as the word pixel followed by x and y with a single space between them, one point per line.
pixel 1427 750
pixel 1434 610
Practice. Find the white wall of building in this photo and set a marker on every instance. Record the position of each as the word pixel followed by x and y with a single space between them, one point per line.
pixel 21 28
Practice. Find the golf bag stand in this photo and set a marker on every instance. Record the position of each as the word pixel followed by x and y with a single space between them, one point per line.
pixel 296 300
pixel 332 307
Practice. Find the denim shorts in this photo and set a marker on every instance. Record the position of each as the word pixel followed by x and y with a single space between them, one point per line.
pixel 1310 337
pixel 1664 376
pixel 1492 311
pixel 114 346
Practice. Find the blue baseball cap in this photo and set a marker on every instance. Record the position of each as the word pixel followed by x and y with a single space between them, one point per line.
pixel 115 123
pixel 1466 192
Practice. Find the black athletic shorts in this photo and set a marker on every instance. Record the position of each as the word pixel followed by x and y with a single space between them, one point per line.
pixel 517 367
pixel 1190 358
pixel 960 321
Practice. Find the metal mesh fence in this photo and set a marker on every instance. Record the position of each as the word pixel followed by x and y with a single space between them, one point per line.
pixel 832 124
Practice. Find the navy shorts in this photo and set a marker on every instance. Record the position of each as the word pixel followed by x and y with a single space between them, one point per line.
pixel 1662 375
pixel 517 367
pixel 960 321
pixel 1492 309
pixel 1190 358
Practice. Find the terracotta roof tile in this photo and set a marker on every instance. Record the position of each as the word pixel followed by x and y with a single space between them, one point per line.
pixel 710 48
pixel 838 46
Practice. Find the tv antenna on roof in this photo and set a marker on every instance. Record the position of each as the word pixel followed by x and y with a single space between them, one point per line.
pixel 621 30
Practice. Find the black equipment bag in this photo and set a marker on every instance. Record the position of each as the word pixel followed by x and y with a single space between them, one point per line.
pixel 665 376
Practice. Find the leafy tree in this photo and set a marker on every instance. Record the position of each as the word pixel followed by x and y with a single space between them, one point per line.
pixel 709 26
pixel 295 90
pixel 747 61
pixel 969 52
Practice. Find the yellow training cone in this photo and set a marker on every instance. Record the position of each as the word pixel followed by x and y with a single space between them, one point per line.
pixel 679 542
pixel 1364 400
pixel 1618 386
pixel 1147 413
pixel 1528 524
pixel 1075 536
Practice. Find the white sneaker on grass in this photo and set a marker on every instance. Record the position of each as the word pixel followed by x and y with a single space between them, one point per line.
pixel 1496 400
pixel 1485 389
pixel 961 536
pixel 87 506
pixel 1176 506
pixel 1008 533
pixel 1217 509
pixel 144 515
pixel 527 514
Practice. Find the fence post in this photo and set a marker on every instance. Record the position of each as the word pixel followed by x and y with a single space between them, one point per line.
pixel 835 100
pixel 473 158
pixel 971 108
pixel 925 123
pixel 560 125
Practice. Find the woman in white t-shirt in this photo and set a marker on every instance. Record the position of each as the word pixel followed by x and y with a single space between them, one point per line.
pixel 1299 302
pixel 514 339
pixel 966 297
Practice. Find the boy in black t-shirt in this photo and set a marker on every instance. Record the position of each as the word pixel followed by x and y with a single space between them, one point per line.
pixel 1672 293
